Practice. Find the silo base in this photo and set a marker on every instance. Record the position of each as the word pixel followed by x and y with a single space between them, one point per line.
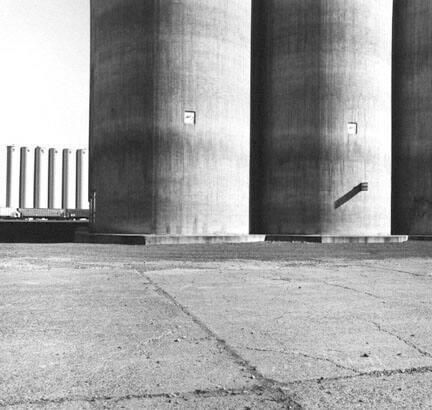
pixel 337 238
pixel 131 239
pixel 84 236
pixel 420 237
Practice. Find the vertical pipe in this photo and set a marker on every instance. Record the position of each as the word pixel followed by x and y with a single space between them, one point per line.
pixel 40 194
pixel 81 194
pixel 12 177
pixel 92 201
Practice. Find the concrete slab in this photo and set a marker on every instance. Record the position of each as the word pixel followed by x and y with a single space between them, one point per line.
pixel 100 332
pixel 263 325
pixel 350 319
pixel 399 390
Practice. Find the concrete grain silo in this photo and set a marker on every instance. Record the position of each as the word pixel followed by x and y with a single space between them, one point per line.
pixel 412 117
pixel 321 117
pixel 170 116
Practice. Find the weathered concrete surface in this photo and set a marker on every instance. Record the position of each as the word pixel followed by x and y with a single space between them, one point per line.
pixel 412 118
pixel 152 61
pixel 317 66
pixel 216 326
pixel 83 236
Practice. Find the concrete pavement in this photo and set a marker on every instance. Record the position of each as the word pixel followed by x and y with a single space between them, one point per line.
pixel 216 326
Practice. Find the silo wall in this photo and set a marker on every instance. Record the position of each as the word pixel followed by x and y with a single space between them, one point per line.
pixel 412 118
pixel 154 168
pixel 321 117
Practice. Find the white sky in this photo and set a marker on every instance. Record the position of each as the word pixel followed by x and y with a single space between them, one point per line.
pixel 44 72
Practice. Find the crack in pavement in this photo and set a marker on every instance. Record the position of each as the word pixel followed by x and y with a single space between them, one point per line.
pixel 377 266
pixel 284 396
pixel 158 338
pixel 374 373
pixel 239 360
pixel 340 366
pixel 423 352
pixel 277 393
pixel 351 289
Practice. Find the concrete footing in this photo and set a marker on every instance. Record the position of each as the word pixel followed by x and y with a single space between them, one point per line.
pixel 420 237
pixel 131 239
pixel 83 236
pixel 337 238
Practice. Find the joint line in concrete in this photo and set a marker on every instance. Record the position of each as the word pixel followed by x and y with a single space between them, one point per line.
pixel 407 342
pixel 239 360
pixel 199 393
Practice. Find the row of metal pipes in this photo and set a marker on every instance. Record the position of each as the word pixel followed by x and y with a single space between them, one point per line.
pixel 43 178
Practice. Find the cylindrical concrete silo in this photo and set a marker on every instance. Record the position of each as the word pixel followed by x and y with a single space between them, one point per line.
pixel 68 178
pixel 321 117
pixel 54 179
pixel 412 117
pixel 26 178
pixel 40 183
pixel 81 177
pixel 12 177
pixel 170 114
